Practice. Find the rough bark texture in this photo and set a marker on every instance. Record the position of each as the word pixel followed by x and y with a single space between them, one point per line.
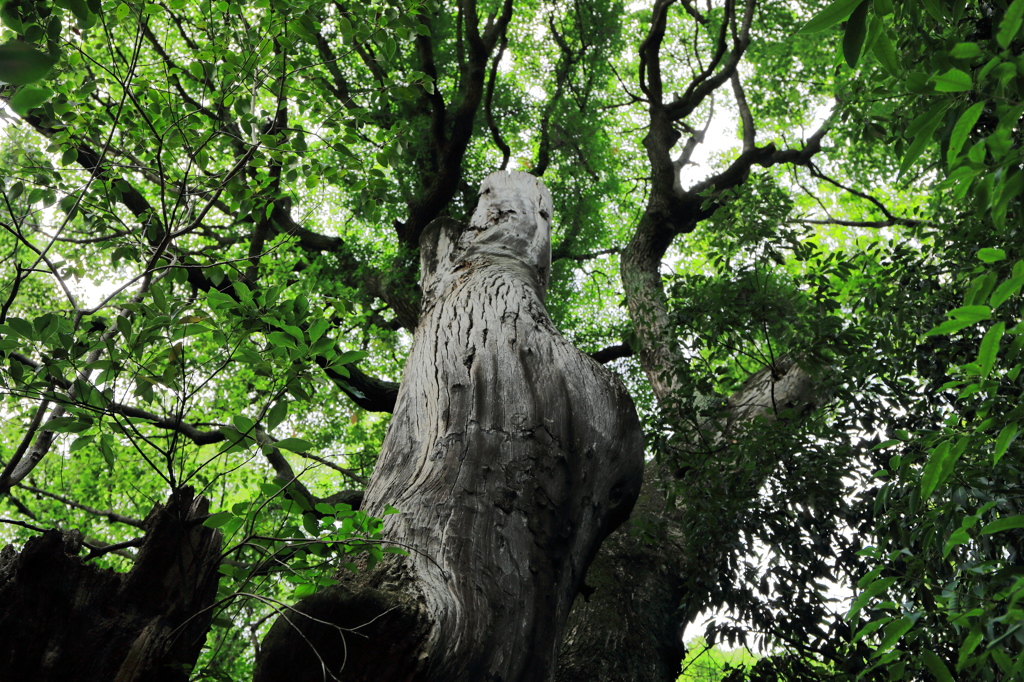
pixel 62 619
pixel 626 623
pixel 629 620
pixel 511 456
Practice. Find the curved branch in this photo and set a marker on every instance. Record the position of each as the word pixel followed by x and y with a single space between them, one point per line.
pixel 109 514
pixel 506 151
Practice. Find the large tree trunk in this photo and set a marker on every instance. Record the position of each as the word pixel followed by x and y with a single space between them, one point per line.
pixel 65 620
pixel 629 624
pixel 511 456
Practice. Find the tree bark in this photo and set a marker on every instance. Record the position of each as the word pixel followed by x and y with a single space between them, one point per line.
pixel 65 620
pixel 629 620
pixel 511 456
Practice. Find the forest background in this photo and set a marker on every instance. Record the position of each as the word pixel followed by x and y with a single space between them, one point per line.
pixel 209 256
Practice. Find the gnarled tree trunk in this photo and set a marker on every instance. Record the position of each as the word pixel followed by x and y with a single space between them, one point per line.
pixel 630 624
pixel 64 620
pixel 511 456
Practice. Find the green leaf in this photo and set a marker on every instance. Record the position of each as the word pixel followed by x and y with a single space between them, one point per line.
pixel 107 450
pixel 28 98
pixel 931 477
pixel 219 519
pixel 1010 24
pixel 22 328
pixel 953 80
pixel 242 423
pixel 1005 523
pixel 856 30
pixel 81 11
pixel 962 130
pixel 921 129
pixel 295 332
pixel 304 590
pixel 990 348
pixel 277 414
pixel 936 666
pixel 317 329
pixel 991 255
pixel 81 442
pixel 830 15
pixel 885 53
pixel 1003 440
pixel 935 8
pixel 66 425
pixel 21 64
pixel 294 444
pixel 971 313
pixel 122 11
pixel 1010 287
pixel 893 632
pixel 280 339
pixel 349 357
pixel 965 51
pixel 270 489
pixel 970 644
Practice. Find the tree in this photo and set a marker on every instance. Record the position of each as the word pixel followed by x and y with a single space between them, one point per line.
pixel 226 171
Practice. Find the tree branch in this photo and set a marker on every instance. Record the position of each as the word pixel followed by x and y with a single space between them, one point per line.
pixel 109 514
pixel 605 355
pixel 506 151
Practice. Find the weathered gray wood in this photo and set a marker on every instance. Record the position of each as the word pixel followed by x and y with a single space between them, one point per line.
pixel 511 455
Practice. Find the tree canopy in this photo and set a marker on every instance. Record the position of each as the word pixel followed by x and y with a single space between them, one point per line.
pixel 792 229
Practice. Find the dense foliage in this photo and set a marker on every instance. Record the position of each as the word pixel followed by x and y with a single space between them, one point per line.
pixel 210 222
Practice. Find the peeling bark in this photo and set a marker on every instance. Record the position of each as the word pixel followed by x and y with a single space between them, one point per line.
pixel 64 620
pixel 511 456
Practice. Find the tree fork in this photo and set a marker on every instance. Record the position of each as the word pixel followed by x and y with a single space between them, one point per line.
pixel 511 456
